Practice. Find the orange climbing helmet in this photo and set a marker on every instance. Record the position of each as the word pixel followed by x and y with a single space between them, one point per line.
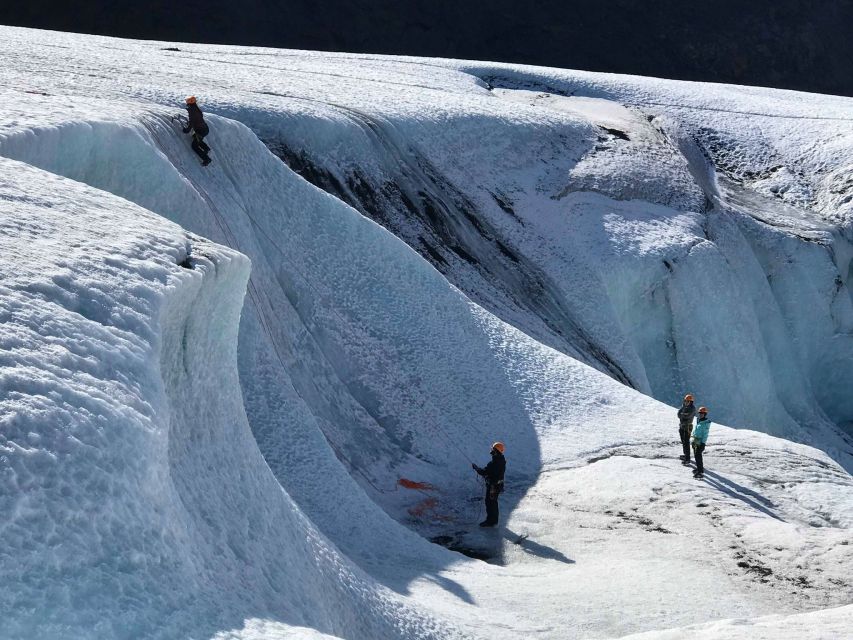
pixel 703 409
pixel 688 397
pixel 191 100
pixel 499 446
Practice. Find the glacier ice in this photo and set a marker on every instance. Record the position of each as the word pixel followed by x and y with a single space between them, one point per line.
pixel 206 440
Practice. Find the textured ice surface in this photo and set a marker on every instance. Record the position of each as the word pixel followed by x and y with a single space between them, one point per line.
pixel 135 501
pixel 830 623
pixel 181 461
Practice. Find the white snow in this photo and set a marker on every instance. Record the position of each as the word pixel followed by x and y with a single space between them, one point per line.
pixel 179 460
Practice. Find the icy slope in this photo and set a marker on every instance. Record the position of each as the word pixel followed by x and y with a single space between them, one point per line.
pixel 359 364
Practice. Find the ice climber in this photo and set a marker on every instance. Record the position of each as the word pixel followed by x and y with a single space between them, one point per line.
pixel 699 438
pixel 685 426
pixel 199 129
pixel 494 476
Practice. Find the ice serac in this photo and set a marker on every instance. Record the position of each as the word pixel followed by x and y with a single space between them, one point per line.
pixel 135 500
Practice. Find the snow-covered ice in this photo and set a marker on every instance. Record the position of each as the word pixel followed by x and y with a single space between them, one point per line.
pixel 213 380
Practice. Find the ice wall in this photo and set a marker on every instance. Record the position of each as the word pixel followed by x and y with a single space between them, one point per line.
pixel 349 381
pixel 618 237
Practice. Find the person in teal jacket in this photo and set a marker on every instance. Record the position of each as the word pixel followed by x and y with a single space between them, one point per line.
pixel 698 440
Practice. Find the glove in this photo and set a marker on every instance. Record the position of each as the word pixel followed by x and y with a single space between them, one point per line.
pixel 186 129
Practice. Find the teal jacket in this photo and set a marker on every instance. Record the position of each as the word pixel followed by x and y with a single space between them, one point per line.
pixel 700 431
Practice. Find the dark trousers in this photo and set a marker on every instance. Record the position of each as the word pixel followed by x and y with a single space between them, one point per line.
pixel 684 434
pixel 697 451
pixel 492 511
pixel 200 146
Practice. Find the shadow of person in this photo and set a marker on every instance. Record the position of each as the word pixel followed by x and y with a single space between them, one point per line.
pixel 747 496
pixel 451 586
pixel 535 548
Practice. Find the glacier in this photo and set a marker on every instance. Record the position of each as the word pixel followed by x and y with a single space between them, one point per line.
pixel 241 401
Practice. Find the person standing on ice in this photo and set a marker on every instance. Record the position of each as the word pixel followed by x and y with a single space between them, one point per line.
pixel 685 426
pixel 199 129
pixel 699 438
pixel 494 476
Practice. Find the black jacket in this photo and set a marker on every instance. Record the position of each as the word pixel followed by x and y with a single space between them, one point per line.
pixel 494 471
pixel 686 415
pixel 196 120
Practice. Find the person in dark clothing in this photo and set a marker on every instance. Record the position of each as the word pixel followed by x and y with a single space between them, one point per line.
pixel 199 130
pixel 494 476
pixel 685 426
